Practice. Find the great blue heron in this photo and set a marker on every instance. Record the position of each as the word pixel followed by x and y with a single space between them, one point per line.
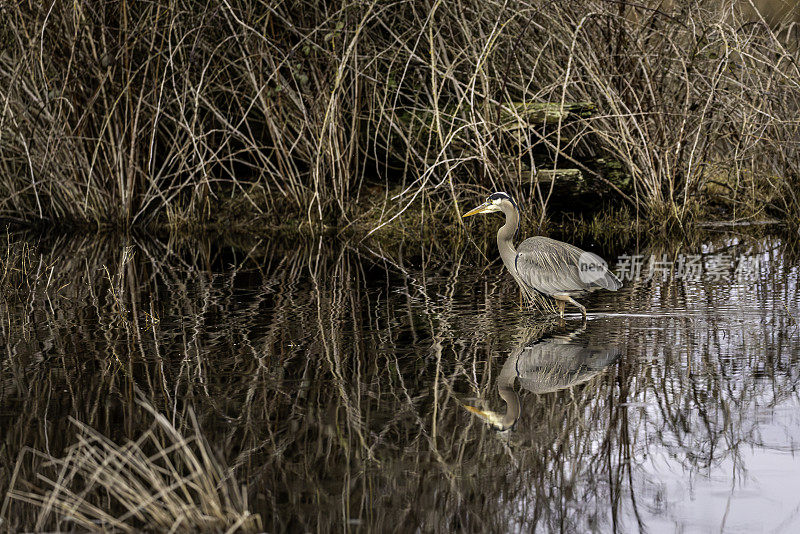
pixel 544 365
pixel 546 266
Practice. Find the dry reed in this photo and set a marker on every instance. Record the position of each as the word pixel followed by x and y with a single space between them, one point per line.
pixel 141 113
pixel 163 481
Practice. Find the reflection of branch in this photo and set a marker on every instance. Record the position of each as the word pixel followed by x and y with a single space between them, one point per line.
pixel 321 388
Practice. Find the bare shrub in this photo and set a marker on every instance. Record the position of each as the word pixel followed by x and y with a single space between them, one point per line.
pixel 133 113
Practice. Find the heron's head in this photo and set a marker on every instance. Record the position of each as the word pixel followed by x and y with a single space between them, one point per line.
pixel 495 202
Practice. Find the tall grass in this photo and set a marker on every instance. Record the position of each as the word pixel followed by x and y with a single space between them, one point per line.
pixel 161 482
pixel 134 113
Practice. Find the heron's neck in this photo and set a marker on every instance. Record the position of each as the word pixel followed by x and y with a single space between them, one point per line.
pixel 505 384
pixel 513 410
pixel 505 237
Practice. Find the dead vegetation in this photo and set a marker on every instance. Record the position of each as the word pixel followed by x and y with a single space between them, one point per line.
pixel 163 481
pixel 141 113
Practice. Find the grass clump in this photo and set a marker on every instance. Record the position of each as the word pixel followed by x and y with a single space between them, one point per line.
pixel 164 481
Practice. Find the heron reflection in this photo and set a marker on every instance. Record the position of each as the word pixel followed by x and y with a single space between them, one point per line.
pixel 544 364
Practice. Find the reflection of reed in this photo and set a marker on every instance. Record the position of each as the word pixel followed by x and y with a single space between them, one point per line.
pixel 330 380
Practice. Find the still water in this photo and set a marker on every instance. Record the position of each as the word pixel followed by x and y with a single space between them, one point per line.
pixel 353 388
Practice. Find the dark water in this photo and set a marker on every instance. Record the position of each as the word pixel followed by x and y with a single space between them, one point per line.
pixel 356 389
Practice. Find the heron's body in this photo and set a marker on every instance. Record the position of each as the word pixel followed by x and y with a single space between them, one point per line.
pixel 546 266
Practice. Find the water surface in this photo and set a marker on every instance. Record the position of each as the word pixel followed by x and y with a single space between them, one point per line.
pixel 359 389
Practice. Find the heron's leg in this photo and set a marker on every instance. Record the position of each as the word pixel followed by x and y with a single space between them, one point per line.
pixel 561 305
pixel 580 307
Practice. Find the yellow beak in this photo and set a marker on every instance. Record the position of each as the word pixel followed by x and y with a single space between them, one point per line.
pixel 494 419
pixel 479 209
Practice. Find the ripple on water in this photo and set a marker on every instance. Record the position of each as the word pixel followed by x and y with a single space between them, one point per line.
pixel 335 383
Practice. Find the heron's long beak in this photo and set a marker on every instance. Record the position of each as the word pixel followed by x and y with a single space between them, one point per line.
pixel 485 415
pixel 494 419
pixel 479 209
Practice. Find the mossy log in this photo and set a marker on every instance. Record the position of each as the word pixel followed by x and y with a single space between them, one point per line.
pixel 572 176
pixel 515 116
pixel 581 186
pixel 527 114
pixel 575 189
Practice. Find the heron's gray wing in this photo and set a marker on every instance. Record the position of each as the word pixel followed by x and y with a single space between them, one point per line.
pixel 549 367
pixel 553 267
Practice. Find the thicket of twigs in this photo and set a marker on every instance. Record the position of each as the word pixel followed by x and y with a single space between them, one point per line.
pixel 133 113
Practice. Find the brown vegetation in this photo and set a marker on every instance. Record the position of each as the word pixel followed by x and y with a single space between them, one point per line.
pixel 135 113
